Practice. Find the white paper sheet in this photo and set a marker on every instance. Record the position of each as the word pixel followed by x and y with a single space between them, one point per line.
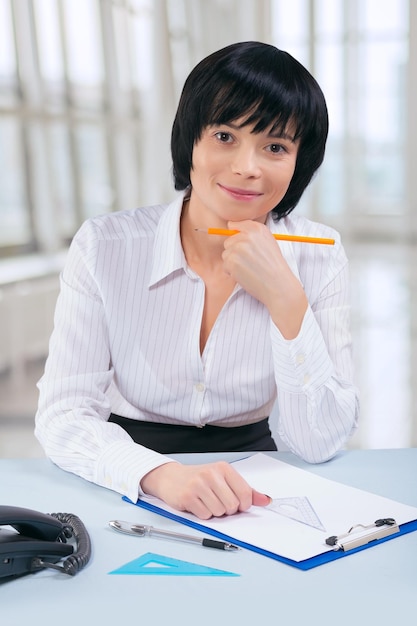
pixel 338 506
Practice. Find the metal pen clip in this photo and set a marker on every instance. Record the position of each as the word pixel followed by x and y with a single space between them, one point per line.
pixel 360 534
pixel 130 529
pixel 140 530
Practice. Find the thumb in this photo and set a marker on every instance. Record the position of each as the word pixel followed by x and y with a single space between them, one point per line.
pixel 260 499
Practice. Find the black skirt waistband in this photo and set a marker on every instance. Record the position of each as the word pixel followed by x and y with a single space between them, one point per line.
pixel 173 438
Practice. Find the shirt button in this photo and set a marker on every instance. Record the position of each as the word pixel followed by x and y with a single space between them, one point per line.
pixel 300 358
pixel 306 379
pixel 199 387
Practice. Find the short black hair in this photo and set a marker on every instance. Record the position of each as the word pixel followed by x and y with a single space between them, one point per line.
pixel 269 86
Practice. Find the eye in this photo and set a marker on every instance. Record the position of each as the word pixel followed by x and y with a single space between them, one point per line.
pixel 223 136
pixel 276 148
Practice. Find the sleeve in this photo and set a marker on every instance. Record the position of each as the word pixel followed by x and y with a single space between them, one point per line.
pixel 71 421
pixel 318 405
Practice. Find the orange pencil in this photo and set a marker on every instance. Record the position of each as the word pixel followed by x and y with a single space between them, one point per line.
pixel 227 233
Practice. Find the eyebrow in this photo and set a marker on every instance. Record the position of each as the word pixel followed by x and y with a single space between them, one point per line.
pixel 282 135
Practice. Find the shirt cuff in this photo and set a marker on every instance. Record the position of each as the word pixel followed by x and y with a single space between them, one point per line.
pixel 123 464
pixel 303 364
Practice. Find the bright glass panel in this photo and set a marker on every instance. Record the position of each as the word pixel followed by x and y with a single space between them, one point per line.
pixel 7 56
pixel 96 188
pixel 48 40
pixel 85 55
pixel 14 219
pixel 382 17
pixel 62 179
pixel 328 18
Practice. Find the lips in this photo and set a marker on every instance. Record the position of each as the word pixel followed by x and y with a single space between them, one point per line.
pixel 240 194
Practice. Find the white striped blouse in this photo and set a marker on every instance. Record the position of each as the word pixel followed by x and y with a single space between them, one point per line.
pixel 127 340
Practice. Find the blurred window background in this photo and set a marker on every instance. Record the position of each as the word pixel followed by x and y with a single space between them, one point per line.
pixel 88 92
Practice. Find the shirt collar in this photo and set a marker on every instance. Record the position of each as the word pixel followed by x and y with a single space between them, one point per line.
pixel 168 255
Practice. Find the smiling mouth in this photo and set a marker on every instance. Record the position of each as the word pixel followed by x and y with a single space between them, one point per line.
pixel 242 194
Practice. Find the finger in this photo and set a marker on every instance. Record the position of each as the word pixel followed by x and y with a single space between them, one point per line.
pixel 200 500
pixel 219 494
pixel 223 491
pixel 260 499
pixel 209 494
pixel 240 488
pixel 207 504
pixel 200 510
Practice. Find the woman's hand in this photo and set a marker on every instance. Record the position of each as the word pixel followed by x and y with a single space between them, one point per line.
pixel 253 259
pixel 210 490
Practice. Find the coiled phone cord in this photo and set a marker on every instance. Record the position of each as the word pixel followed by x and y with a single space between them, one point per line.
pixel 73 528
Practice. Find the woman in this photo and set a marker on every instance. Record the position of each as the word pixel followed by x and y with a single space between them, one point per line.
pixel 169 339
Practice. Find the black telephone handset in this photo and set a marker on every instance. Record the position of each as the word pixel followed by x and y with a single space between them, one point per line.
pixel 31 541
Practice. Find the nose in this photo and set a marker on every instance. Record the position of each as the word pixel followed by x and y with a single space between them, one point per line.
pixel 245 162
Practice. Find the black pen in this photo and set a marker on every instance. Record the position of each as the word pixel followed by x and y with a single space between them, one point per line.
pixel 140 530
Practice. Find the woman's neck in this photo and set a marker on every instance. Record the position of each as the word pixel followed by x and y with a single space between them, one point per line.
pixel 199 247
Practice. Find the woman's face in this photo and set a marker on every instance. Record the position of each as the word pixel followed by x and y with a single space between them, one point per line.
pixel 239 175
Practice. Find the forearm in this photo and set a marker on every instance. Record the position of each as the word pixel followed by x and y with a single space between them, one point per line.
pixel 316 426
pixel 71 422
pixel 317 400
pixel 96 450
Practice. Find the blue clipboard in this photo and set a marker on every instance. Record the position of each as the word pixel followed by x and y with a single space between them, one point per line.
pixel 307 564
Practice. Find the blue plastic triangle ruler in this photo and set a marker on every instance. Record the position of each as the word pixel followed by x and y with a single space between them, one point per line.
pixel 150 564
pixel 298 509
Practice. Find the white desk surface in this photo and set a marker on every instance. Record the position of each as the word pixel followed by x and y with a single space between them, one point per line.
pixel 375 586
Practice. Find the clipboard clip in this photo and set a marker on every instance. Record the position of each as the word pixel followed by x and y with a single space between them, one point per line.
pixel 360 535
